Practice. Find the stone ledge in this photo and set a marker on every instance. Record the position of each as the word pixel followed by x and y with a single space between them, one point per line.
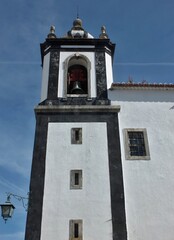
pixel 76 108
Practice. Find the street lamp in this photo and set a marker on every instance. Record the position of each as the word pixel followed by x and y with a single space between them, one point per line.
pixel 7 208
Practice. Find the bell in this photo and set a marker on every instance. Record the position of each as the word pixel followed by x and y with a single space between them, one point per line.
pixel 76 88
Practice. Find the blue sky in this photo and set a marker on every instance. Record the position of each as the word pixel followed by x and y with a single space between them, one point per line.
pixel 143 32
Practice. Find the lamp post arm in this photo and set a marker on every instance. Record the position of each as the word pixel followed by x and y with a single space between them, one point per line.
pixel 19 198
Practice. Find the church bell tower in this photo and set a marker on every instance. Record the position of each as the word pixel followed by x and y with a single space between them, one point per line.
pixel 76 186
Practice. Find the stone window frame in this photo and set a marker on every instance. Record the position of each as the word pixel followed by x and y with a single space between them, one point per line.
pixel 76 135
pixel 72 224
pixel 128 156
pixel 73 184
pixel 81 60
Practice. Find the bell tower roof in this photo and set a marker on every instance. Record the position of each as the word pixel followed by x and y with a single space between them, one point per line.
pixel 77 30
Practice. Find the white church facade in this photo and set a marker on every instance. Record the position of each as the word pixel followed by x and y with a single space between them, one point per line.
pixel 102 163
pixel 148 180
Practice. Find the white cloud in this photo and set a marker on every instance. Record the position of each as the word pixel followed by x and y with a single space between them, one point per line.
pixel 20 62
pixel 144 64
pixel 9 185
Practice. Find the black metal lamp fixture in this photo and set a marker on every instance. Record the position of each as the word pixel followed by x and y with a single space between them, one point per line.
pixel 7 208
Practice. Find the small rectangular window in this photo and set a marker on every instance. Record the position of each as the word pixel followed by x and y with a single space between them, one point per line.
pixel 75 227
pixel 76 179
pixel 76 135
pixel 76 230
pixel 136 144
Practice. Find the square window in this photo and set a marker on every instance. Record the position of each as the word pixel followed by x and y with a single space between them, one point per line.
pixel 76 179
pixel 76 136
pixel 75 227
pixel 136 144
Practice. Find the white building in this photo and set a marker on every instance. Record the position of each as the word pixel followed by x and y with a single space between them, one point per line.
pixel 102 159
pixel 148 183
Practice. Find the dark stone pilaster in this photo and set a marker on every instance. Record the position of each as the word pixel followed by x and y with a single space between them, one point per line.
pixel 100 67
pixel 53 74
pixel 116 180
pixel 34 215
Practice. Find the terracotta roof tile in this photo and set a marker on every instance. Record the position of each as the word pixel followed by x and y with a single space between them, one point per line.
pixel 123 85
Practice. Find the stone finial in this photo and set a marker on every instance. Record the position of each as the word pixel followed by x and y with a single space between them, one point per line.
pixel 52 32
pixel 77 31
pixel 103 34
pixel 77 24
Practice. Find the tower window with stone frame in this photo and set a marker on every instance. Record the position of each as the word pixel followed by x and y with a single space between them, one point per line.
pixel 76 179
pixel 75 229
pixel 136 144
pixel 76 136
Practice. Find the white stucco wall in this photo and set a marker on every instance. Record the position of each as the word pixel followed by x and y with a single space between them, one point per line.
pixel 63 57
pixel 109 70
pixel 45 75
pixel 92 203
pixel 149 184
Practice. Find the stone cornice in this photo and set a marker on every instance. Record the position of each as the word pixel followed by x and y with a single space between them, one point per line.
pixel 76 108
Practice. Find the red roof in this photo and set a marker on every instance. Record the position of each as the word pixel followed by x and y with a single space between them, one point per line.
pixel 128 85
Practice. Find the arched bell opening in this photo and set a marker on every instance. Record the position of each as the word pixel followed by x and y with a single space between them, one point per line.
pixel 77 80
pixel 77 76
